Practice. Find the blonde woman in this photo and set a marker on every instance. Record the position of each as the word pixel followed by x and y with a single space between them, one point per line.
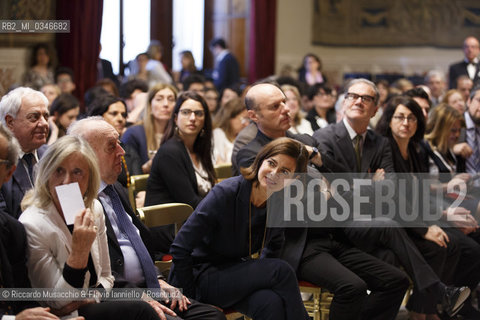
pixel 145 137
pixel 66 257
pixel 298 123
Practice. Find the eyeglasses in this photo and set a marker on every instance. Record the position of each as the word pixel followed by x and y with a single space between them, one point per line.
pixel 188 112
pixel 5 162
pixel 353 97
pixel 410 119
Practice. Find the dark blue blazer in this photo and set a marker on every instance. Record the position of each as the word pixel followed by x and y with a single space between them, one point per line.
pixel 216 234
pixel 227 72
pixel 12 192
pixel 136 138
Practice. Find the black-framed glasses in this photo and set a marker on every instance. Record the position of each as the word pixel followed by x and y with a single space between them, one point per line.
pixel 188 112
pixel 353 97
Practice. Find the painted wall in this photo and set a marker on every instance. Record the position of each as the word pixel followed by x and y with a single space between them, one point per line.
pixel 294 23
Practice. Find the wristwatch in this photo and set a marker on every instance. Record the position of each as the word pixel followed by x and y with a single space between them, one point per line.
pixel 313 154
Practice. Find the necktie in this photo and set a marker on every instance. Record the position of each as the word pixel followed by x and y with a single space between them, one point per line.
pixel 130 231
pixel 358 146
pixel 28 157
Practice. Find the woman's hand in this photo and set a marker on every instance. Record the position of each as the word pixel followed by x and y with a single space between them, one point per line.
pixel 437 235
pixel 463 150
pixel 147 166
pixel 379 175
pixel 84 233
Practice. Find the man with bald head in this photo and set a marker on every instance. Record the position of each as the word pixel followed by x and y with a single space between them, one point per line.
pixel 25 112
pixel 267 109
pixel 130 243
pixel 469 66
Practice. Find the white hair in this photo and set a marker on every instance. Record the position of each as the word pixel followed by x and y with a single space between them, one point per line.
pixel 12 101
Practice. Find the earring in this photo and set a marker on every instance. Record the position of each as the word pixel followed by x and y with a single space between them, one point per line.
pixel 176 130
pixel 202 133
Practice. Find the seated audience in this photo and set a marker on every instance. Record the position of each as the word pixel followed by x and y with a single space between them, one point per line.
pixel 225 254
pixel 62 256
pixel 25 113
pixel 51 91
pixel 109 86
pixel 129 241
pixel 311 70
pixel 13 244
pixel 145 137
pixel 182 170
pixel 63 112
pixel 65 80
pixel 229 93
pixel 454 99
pixel 422 98
pixel 464 85
pixel 211 97
pixel 187 61
pixel 41 67
pixel 323 111
pixel 298 123
pixel 403 124
pixel 114 111
pixel 134 93
pixel 195 83
pixel 228 122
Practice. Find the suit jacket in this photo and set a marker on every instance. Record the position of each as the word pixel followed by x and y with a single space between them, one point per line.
pixel 227 72
pixel 136 138
pixel 459 69
pixel 50 244
pixel 117 260
pixel 172 177
pixel 335 142
pixel 12 192
pixel 217 233
pixel 13 259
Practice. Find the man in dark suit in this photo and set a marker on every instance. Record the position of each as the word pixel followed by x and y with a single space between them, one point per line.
pixel 226 71
pixel 318 255
pixel 25 112
pixel 362 151
pixel 469 66
pixel 129 240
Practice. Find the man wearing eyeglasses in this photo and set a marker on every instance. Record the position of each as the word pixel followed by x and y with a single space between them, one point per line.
pixel 366 153
pixel 25 112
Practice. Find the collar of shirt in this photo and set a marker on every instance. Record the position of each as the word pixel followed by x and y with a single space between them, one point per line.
pixel 475 60
pixel 34 152
pixel 221 55
pixel 352 132
pixel 469 124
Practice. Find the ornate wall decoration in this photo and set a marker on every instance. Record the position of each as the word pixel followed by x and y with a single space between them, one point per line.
pixel 441 23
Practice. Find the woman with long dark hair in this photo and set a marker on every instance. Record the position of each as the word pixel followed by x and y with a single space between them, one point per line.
pixel 225 254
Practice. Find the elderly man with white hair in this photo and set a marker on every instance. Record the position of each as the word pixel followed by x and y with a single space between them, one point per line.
pixel 25 112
